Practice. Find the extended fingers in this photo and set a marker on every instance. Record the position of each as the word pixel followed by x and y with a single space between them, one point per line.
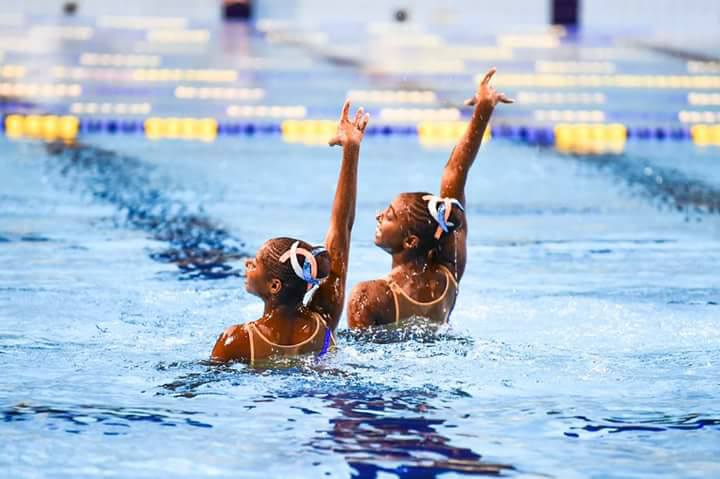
pixel 502 98
pixel 345 110
pixel 488 76
pixel 364 122
pixel 358 117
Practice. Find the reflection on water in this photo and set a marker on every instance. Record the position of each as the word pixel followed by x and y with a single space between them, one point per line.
pixel 374 427
pixel 390 434
pixel 193 384
pixel 114 420
pixel 651 421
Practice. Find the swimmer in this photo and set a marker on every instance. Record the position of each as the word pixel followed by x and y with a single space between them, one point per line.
pixel 302 286
pixel 426 236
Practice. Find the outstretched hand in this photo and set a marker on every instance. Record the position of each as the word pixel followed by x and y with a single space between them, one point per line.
pixel 487 95
pixel 350 132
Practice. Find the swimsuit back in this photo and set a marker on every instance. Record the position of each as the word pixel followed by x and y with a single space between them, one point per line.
pixel 319 342
pixel 437 310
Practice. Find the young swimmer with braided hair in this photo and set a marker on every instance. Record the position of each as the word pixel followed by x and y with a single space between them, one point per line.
pixel 426 236
pixel 303 287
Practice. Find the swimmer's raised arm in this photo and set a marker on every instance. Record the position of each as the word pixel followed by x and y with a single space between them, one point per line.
pixel 453 248
pixel 454 178
pixel 330 296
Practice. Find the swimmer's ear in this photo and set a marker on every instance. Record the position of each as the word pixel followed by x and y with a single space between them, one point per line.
pixel 275 286
pixel 411 242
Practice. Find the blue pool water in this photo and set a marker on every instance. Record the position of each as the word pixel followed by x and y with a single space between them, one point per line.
pixel 585 341
pixel 584 344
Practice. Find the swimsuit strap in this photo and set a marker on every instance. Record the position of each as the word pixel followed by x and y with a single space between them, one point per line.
pixel 449 274
pixel 326 342
pixel 289 346
pixel 248 328
pixel 391 284
pixel 448 279
pixel 397 291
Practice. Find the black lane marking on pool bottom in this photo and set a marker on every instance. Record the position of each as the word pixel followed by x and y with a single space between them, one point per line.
pixel 669 185
pixel 198 246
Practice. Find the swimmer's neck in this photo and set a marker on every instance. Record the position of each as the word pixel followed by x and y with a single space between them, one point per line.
pixel 410 262
pixel 283 310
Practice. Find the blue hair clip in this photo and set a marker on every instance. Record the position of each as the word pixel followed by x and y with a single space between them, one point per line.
pixel 440 218
pixel 307 274
pixel 439 208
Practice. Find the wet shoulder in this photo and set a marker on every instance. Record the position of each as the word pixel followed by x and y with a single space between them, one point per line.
pixel 371 303
pixel 233 344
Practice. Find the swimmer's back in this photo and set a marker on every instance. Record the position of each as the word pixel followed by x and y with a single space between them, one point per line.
pixel 256 340
pixel 396 299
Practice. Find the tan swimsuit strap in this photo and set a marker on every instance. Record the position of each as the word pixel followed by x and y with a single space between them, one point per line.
pixel 251 341
pixel 448 279
pixel 288 346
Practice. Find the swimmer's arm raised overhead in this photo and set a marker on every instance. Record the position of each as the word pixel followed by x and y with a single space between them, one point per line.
pixel 453 250
pixel 330 296
pixel 454 176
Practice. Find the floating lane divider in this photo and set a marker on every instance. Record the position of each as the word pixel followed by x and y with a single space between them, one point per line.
pixel 310 132
pixel 705 135
pixel 580 138
pixel 203 129
pixel 441 133
pixel 44 127
pixel 588 139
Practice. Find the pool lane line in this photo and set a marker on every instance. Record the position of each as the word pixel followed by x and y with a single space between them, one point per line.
pixel 561 135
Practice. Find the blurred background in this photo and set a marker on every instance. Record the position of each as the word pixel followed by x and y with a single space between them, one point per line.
pixel 648 68
pixel 148 147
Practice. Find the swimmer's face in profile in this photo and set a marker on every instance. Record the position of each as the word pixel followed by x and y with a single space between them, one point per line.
pixel 392 228
pixel 406 224
pixel 258 280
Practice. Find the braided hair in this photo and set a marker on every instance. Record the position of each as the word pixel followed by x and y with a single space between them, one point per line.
pixel 423 225
pixel 294 287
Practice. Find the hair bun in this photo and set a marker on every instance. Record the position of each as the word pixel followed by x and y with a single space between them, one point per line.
pixel 457 218
pixel 323 262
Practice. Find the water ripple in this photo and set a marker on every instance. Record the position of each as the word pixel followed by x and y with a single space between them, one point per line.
pixel 77 418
